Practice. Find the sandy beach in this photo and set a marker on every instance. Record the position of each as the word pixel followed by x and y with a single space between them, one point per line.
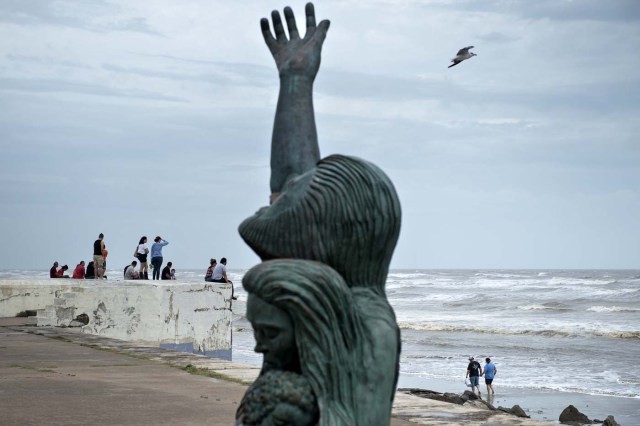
pixel 542 405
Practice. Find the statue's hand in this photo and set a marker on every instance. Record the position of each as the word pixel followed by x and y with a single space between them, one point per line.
pixel 295 56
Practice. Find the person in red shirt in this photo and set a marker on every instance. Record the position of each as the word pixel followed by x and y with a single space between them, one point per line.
pixel 61 272
pixel 78 273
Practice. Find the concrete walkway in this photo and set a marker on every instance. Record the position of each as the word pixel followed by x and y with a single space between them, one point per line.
pixel 57 376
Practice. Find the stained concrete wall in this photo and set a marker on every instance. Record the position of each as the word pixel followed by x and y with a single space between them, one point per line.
pixel 138 311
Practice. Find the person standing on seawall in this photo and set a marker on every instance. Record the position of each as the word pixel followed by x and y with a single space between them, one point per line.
pixel 156 255
pixel 98 259
pixel 142 251
pixel 474 370
pixel 489 373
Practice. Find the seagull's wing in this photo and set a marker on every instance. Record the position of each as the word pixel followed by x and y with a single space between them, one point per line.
pixel 464 50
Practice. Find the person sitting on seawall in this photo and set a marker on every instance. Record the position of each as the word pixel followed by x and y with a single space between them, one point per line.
pixel 78 273
pixel 141 253
pixel 91 273
pixel 130 271
pixel 62 270
pixel 220 275
pixel 489 373
pixel 156 256
pixel 208 276
pixel 166 271
pixel 53 272
pixel 173 274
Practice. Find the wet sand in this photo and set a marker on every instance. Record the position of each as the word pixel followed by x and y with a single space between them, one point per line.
pixel 541 404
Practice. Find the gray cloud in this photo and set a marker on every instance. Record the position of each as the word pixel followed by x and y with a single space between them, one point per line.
pixel 560 10
pixel 70 13
pixel 52 85
pixel 497 37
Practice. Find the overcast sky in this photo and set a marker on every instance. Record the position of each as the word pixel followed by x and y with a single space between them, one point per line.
pixel 138 117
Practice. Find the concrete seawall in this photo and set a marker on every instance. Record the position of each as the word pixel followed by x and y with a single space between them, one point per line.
pixel 146 312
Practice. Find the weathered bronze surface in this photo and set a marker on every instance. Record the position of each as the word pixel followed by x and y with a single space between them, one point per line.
pixel 317 302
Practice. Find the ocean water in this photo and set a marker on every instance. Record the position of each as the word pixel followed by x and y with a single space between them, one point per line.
pixel 572 333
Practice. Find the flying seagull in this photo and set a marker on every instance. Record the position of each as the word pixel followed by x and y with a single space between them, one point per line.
pixel 462 55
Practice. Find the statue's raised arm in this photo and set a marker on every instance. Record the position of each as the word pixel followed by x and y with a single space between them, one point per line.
pixel 294 143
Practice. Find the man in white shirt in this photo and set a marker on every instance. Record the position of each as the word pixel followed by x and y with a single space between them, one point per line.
pixel 220 275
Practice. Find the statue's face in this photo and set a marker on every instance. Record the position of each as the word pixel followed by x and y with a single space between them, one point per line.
pixel 273 331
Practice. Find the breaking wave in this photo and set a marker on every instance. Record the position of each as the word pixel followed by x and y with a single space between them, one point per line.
pixel 612 309
pixel 634 334
pixel 548 306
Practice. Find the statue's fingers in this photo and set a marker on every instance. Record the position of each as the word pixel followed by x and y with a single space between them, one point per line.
pixel 311 17
pixel 266 33
pixel 277 26
pixel 322 29
pixel 291 23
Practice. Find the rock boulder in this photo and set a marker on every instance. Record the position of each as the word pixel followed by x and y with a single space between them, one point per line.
pixel 571 416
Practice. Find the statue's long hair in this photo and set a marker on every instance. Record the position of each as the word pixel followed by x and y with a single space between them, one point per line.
pixel 327 329
pixel 347 217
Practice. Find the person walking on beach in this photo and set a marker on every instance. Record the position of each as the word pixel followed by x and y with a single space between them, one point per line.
pixel 156 256
pixel 209 274
pixel 220 275
pixel 142 251
pixel 98 259
pixel 489 373
pixel 474 370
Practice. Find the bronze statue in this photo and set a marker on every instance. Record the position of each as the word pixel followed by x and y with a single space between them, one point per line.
pixel 332 224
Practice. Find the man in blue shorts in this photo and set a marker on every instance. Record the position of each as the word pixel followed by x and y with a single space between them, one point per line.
pixel 474 370
pixel 489 373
